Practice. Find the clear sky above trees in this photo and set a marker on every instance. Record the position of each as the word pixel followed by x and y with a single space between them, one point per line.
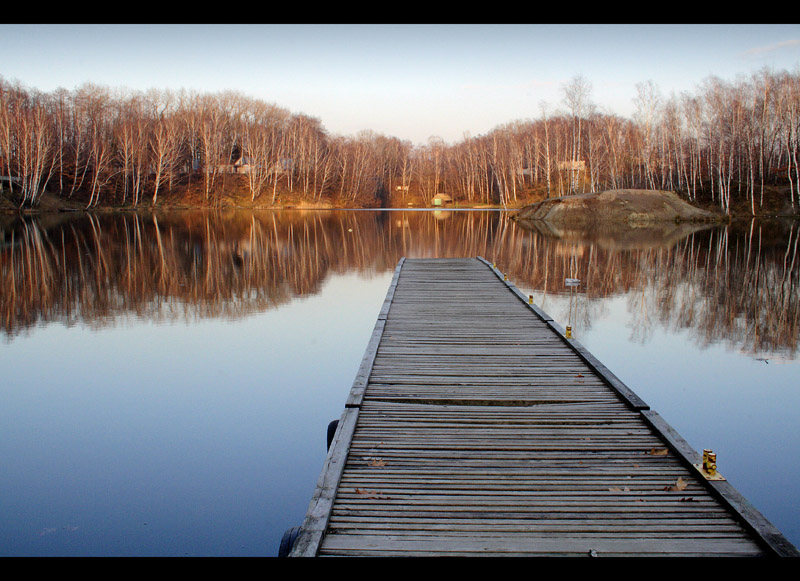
pixel 406 81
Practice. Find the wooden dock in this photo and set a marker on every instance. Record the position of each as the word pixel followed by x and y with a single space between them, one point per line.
pixel 474 427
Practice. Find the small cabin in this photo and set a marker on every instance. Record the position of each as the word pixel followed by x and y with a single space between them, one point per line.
pixel 442 200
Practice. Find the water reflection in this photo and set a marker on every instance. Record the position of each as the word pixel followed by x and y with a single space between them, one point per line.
pixel 737 284
pixel 207 438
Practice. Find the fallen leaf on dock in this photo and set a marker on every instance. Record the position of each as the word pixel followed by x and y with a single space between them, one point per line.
pixel 371 494
pixel 679 485
pixel 658 452
pixel 378 463
pixel 618 489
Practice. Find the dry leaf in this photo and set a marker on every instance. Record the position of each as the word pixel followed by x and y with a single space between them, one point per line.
pixel 617 489
pixel 658 452
pixel 679 485
pixel 378 463
pixel 372 494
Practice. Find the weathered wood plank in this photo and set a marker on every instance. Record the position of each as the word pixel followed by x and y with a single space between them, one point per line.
pixel 396 545
pixel 319 509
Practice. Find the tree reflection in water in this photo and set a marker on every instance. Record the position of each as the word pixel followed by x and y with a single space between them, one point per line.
pixel 736 284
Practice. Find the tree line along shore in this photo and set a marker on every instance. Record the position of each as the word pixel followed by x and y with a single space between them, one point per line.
pixel 728 146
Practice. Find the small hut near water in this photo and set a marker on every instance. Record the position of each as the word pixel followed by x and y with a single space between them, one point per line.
pixel 442 200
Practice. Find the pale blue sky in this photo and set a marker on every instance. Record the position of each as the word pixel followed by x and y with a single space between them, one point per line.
pixel 408 81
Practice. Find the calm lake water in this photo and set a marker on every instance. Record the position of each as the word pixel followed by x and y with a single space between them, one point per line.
pixel 167 379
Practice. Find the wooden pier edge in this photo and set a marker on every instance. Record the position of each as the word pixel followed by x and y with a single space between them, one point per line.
pixel 630 398
pixel 750 517
pixel 319 508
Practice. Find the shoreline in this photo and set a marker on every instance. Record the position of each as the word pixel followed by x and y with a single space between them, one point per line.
pixel 54 204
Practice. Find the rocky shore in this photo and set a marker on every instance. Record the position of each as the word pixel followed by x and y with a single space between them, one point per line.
pixel 634 208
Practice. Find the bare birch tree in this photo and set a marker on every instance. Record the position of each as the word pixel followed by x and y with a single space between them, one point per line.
pixel 576 97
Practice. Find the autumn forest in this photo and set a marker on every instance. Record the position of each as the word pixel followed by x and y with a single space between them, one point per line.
pixel 727 145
